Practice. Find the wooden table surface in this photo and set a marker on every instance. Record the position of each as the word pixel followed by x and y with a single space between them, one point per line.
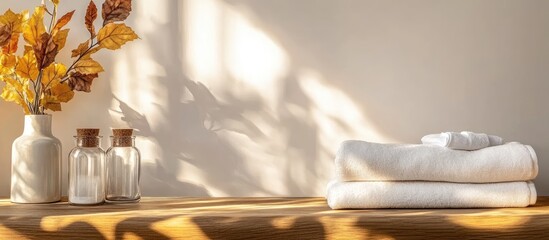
pixel 260 218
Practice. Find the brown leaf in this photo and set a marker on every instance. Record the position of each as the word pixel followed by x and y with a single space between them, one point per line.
pixel 116 10
pixel 63 21
pixel 11 47
pixel 81 82
pixel 5 35
pixel 91 15
pixel 45 50
pixel 27 48
pixel 56 107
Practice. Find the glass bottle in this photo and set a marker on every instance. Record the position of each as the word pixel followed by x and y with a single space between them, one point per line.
pixel 123 168
pixel 86 169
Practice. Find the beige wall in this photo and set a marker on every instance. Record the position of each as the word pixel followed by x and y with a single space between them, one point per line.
pixel 251 97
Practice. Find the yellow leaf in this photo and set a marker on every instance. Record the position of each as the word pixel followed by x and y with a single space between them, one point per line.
pixel 62 92
pixel 56 95
pixel 18 92
pixel 34 27
pixel 7 63
pixel 60 38
pixel 26 66
pixel 7 17
pixel 13 20
pixel 51 76
pixel 114 35
pixel 10 28
pixel 15 84
pixel 13 92
pixel 88 66
pixel 81 49
pixel 56 2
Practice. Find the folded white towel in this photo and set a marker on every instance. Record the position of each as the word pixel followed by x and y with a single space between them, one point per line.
pixel 343 195
pixel 365 161
pixel 462 140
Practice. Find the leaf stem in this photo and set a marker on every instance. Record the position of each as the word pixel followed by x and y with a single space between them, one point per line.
pixel 38 93
pixel 23 94
pixel 47 10
pixel 53 17
pixel 66 77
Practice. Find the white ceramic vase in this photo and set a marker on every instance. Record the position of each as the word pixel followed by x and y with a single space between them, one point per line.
pixel 36 163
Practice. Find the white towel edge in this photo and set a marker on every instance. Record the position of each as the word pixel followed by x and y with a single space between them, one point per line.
pixel 533 193
pixel 532 198
pixel 534 157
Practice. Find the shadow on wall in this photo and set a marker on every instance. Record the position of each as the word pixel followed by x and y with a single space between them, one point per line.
pixel 203 146
pixel 218 120
pixel 186 132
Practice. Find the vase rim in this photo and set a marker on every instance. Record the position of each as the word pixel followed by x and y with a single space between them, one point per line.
pixel 38 115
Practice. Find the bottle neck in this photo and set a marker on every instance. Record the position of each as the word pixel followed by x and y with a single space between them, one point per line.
pixel 88 141
pixel 123 141
pixel 37 124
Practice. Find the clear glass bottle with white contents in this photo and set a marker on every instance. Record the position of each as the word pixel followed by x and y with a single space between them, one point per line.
pixel 86 169
pixel 123 168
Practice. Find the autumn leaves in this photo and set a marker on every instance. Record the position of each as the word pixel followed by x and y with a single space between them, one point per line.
pixel 36 73
pixel 111 36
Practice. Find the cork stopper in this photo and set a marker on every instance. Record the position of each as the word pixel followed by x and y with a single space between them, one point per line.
pixel 89 136
pixel 122 137
pixel 122 132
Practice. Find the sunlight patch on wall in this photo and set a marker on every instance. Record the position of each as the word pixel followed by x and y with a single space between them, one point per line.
pixel 139 84
pixel 202 33
pixel 253 58
pixel 128 96
pixel 119 79
pixel 245 124
pixel 257 66
pixel 239 62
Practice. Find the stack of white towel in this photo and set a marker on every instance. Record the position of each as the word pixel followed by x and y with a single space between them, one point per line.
pixel 482 173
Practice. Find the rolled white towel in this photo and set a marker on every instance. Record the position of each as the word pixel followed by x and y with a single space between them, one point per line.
pixel 365 161
pixel 342 195
pixel 462 140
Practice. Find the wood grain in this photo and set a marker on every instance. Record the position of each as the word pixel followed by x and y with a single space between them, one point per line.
pixel 261 218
